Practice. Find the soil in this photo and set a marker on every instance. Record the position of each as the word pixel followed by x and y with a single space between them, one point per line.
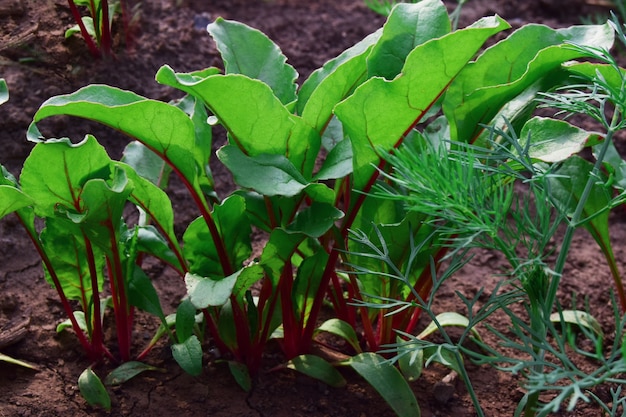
pixel 38 63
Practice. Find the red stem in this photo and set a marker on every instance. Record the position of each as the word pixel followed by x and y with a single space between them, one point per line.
pixel 91 45
pixel 105 40
pixel 97 333
pixel 92 353
pixel 123 314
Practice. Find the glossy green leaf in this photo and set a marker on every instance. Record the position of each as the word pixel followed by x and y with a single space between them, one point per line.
pixel 249 52
pixel 12 199
pixel 185 319
pixel 388 381
pixel 188 355
pixel 164 128
pixel 143 295
pixel 408 26
pixel 380 112
pixel 338 162
pixel 93 391
pixel 127 371
pixel 317 368
pixel 62 241
pixel 147 164
pixel 259 126
pixel 67 324
pixel 554 140
pixel 506 69
pixel 333 82
pixel 267 174
pixel 55 173
pixel 342 329
pixel 151 242
pixel 315 220
pixel 234 229
pixel 204 292
pixel 240 373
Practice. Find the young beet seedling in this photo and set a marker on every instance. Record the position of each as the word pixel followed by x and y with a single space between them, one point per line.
pixel 96 29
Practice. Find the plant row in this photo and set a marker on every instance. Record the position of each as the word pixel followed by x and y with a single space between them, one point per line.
pixel 329 173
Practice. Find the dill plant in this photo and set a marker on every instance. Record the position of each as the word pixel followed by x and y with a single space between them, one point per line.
pixel 504 196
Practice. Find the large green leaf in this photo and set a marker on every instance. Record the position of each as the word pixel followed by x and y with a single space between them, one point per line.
pixel 66 250
pixel 506 69
pixel 55 173
pixel 204 292
pixel 333 82
pixel 259 126
pixel 388 381
pixel 164 128
pixel 234 229
pixel 267 174
pixel 408 26
pixel 380 112
pixel 249 52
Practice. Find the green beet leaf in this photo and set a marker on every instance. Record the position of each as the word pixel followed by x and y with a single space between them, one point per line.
pixel 317 368
pixel 342 329
pixel 93 391
pixel 250 52
pixel 506 69
pixel 380 112
pixel 56 171
pixel 188 355
pixel 388 381
pixel 408 26
pixel 204 292
pixel 12 199
pixel 127 371
pixel 185 319
pixel 164 128
pixel 554 140
pixel 235 230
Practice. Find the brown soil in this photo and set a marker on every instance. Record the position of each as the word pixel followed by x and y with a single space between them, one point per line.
pixel 37 63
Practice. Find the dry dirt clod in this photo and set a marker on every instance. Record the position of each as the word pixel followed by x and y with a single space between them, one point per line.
pixel 14 333
pixel 444 389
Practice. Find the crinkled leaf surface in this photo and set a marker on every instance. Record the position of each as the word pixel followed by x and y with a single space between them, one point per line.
pixel 506 69
pixel 380 112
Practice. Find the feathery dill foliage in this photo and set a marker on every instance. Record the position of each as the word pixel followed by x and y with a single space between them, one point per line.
pixel 468 192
